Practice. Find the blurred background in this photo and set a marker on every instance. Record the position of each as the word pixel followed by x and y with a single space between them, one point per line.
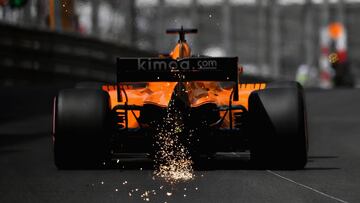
pixel 51 41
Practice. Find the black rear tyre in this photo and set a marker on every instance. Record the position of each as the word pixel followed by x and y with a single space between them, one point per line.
pixel 278 127
pixel 81 128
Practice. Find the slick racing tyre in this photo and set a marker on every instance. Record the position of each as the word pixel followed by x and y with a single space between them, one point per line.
pixel 81 128
pixel 278 127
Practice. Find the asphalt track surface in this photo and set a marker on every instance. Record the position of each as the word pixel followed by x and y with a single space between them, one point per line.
pixel 27 172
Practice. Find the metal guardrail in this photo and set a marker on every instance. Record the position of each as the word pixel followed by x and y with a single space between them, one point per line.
pixel 33 54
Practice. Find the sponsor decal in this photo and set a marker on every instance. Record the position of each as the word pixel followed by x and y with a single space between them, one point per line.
pixel 173 65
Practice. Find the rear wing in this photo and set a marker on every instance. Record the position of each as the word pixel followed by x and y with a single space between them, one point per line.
pixel 182 70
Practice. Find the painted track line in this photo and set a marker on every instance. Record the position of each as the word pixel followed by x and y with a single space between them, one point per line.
pixel 307 187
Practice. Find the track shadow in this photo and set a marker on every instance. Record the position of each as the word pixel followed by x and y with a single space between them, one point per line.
pixel 218 163
pixel 205 164
pixel 200 165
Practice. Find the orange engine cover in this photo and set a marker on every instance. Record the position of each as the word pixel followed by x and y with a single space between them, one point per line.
pixel 199 93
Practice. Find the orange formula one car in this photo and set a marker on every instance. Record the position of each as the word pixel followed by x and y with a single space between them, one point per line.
pixel 218 113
